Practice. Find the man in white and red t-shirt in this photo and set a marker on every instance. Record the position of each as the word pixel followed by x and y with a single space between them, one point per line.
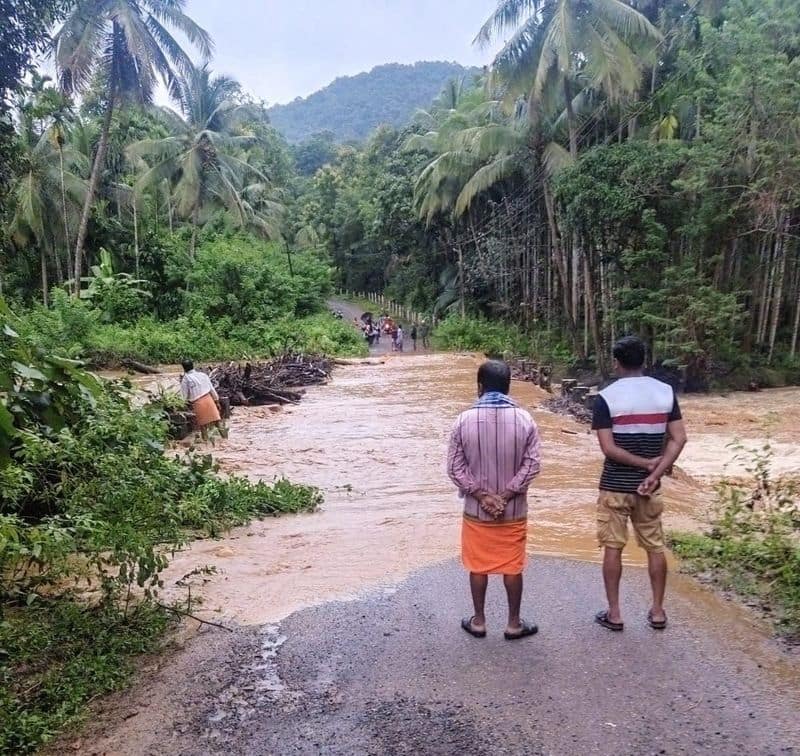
pixel 641 432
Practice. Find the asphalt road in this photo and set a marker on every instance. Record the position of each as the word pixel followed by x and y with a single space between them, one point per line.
pixel 393 673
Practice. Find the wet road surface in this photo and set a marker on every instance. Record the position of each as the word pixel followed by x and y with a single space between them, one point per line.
pixel 392 673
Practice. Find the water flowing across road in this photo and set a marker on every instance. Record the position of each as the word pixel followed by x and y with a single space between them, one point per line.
pixel 374 441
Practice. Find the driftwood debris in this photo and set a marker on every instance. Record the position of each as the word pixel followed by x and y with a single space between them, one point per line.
pixel 140 367
pixel 276 382
pixel 563 405
pixel 273 382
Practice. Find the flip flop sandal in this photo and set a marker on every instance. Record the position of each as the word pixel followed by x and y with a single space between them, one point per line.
pixel 466 625
pixel 601 618
pixel 528 629
pixel 656 624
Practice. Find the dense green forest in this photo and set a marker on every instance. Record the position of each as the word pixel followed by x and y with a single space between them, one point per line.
pixel 631 171
pixel 351 107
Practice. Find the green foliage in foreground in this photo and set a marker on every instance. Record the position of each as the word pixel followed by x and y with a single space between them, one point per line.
pixel 56 656
pixel 753 544
pixel 89 499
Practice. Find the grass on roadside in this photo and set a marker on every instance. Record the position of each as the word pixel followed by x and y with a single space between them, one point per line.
pixel 752 546
pixel 58 653
pixel 55 656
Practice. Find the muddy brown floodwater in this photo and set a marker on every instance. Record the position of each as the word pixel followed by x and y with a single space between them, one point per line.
pixel 374 441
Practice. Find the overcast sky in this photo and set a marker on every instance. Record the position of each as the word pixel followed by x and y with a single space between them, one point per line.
pixel 282 50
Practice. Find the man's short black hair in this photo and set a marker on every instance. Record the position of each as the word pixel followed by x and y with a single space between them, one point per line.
pixel 495 375
pixel 630 352
pixel 187 365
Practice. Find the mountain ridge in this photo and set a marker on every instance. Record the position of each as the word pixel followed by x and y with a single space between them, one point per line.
pixel 351 107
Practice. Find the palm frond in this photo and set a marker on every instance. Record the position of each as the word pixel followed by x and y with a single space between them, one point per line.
pixel 171 12
pixel 484 179
pixel 556 158
pixel 76 44
pixel 507 15
pixel 628 21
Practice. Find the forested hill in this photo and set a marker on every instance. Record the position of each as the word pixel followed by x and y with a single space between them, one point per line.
pixel 352 106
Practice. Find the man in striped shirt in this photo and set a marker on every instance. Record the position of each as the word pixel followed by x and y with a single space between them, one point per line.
pixel 493 456
pixel 640 430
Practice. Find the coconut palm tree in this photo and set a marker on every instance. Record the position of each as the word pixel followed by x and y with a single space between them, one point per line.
pixel 204 161
pixel 556 44
pixel 129 43
pixel 44 189
pixel 46 110
pixel 473 149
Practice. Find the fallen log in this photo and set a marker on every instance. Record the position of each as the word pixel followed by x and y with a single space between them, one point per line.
pixel 140 367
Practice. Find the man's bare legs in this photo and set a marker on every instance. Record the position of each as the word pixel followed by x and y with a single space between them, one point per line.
pixel 657 567
pixel 478 584
pixel 513 584
pixel 612 574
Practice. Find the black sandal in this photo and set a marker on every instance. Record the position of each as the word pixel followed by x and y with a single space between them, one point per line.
pixel 601 618
pixel 528 629
pixel 656 624
pixel 466 625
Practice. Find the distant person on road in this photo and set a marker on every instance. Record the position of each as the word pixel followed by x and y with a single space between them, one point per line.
pixel 640 430
pixel 414 336
pixel 197 389
pixel 399 337
pixel 424 331
pixel 493 456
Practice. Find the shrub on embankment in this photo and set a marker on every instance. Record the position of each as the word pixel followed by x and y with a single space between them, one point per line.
pixel 75 329
pixel 496 338
pixel 730 370
pixel 752 544
pixel 91 506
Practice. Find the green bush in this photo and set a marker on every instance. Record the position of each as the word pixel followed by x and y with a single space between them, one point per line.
pixel 89 496
pixel 57 655
pixel 753 544
pixel 247 280
pixel 73 328
pixel 65 327
pixel 472 334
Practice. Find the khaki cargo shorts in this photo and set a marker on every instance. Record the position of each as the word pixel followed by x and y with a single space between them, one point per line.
pixel 613 511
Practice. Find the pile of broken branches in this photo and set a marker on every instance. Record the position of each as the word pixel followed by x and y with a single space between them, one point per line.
pixel 272 382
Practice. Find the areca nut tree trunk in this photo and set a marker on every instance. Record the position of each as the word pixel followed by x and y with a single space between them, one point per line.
pixel 129 44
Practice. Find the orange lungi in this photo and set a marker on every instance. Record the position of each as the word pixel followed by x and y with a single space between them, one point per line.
pixel 205 411
pixel 494 548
